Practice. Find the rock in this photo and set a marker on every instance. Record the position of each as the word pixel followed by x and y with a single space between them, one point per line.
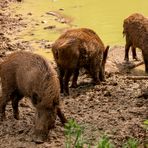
pixel 61 9
pixel 61 20
pixel 20 19
pixel 52 13
pixel 50 27
pixel 19 0
pixel 144 94
pixel 43 22
pixel 107 94
pixel 29 13
pixel 48 47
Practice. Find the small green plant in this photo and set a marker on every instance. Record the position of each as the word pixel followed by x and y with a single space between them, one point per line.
pixel 146 128
pixel 75 138
pixel 146 124
pixel 105 143
pixel 74 135
pixel 131 143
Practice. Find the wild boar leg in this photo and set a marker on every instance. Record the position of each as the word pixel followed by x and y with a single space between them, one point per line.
pixel 134 53
pixel 15 108
pixel 2 109
pixel 75 78
pixel 61 115
pixel 61 75
pixel 101 74
pixel 66 81
pixel 15 100
pixel 3 102
pixel 127 47
pixel 145 57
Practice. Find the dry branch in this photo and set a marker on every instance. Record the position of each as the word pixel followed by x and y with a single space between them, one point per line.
pixel 137 77
pixel 135 65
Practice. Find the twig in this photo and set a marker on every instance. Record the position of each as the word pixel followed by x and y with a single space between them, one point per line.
pixel 135 65
pixel 137 77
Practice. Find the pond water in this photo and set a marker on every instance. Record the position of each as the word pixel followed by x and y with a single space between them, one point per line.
pixel 103 16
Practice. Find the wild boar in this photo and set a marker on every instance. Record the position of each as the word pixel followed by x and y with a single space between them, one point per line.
pixel 24 74
pixel 135 29
pixel 79 48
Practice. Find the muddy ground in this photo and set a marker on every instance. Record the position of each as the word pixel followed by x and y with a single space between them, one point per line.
pixel 114 107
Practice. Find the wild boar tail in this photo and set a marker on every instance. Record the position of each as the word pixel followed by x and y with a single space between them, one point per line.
pixel 124 29
pixel 123 33
pixel 55 52
pixel 105 56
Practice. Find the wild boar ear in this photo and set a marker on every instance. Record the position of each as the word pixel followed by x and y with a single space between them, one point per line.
pixel 35 98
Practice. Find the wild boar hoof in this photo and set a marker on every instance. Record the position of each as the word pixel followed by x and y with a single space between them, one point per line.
pixel 2 117
pixel 66 93
pixel 74 85
pixel 61 91
pixel 126 60
pixel 146 70
pixel 16 116
pixel 64 121
pixel 97 83
pixel 38 140
pixel 136 59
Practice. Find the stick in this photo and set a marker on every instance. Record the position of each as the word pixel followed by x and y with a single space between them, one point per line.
pixel 136 65
pixel 137 77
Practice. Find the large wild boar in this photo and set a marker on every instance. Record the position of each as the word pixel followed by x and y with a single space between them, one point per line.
pixel 136 33
pixel 77 48
pixel 30 75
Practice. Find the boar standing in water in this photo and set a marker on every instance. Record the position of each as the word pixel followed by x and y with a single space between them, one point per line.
pixel 136 33
pixel 24 74
pixel 78 48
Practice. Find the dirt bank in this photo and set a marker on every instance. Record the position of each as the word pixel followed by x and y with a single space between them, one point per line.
pixel 113 107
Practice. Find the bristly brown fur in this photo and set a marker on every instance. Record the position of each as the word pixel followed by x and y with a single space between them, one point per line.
pixel 77 48
pixel 136 33
pixel 24 74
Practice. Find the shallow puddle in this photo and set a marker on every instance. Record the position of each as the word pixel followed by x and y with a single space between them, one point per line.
pixel 54 16
pixel 105 17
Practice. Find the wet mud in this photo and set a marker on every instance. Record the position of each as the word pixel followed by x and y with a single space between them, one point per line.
pixel 116 107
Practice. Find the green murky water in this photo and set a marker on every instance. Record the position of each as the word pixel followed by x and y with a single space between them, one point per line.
pixel 103 16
